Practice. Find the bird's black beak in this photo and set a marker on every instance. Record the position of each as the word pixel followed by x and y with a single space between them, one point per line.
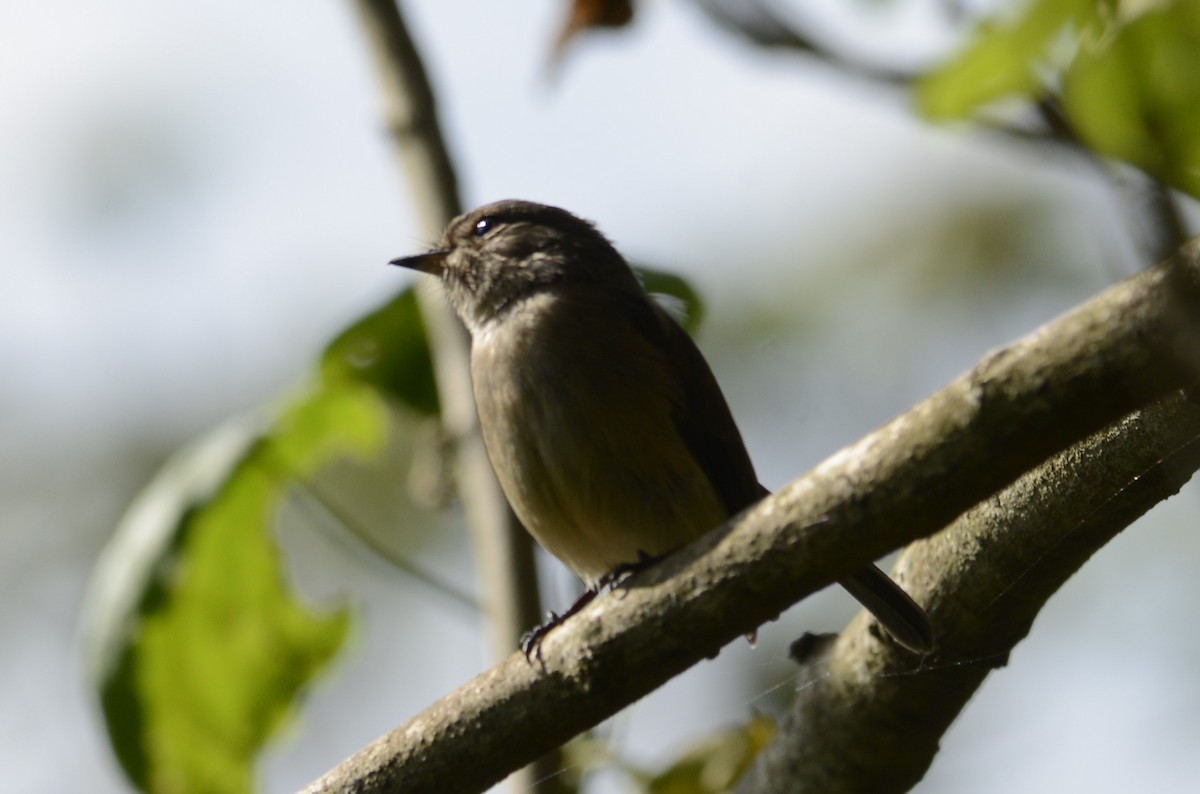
pixel 430 262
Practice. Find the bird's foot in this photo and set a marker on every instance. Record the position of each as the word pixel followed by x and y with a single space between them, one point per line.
pixel 531 641
pixel 614 577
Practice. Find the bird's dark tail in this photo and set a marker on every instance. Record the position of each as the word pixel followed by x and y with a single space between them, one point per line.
pixel 892 607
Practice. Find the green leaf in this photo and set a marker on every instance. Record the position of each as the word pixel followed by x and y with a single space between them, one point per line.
pixel 1013 57
pixel 198 645
pixel 387 349
pixel 661 283
pixel 716 764
pixel 1135 95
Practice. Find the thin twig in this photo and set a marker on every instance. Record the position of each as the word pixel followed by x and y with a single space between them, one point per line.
pixel 1159 225
pixel 503 551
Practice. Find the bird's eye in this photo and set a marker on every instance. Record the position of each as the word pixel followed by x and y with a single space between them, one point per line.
pixel 483 226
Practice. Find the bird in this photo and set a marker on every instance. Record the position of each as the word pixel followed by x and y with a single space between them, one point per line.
pixel 606 427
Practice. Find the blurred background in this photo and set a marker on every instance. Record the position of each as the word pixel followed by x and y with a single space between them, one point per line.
pixel 195 199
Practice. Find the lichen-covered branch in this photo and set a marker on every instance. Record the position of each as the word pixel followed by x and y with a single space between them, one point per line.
pixel 871 716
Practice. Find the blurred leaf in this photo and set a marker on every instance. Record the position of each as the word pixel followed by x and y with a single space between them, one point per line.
pixel 588 14
pixel 689 309
pixel 712 765
pixel 388 350
pixel 716 765
pixel 1129 73
pixel 1008 58
pixel 1135 94
pixel 198 646
pixel 585 754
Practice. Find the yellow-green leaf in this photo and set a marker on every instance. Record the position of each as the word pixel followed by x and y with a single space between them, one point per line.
pixel 1135 95
pixel 1010 57
pixel 716 764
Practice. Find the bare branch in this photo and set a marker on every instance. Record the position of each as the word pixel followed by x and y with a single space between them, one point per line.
pixel 504 553
pixel 411 113
pixel 870 717
pixel 759 23
pixel 1124 349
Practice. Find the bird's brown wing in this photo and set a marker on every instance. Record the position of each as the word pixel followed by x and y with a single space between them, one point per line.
pixel 703 419
pixel 706 425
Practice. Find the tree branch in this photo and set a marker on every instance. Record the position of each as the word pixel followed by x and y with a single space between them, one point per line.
pixel 1129 346
pixel 871 717
pixel 504 555
pixel 758 23
pixel 503 551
